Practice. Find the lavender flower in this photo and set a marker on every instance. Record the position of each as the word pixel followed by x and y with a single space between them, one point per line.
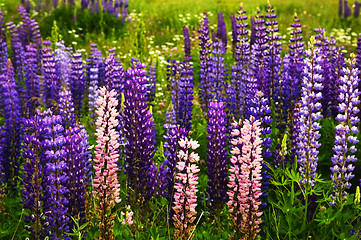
pixel 347 12
pixel 32 80
pixel 344 140
pixel 221 30
pixel 11 131
pixel 309 114
pixel 205 61
pixel 63 62
pixel 51 77
pixel 77 82
pixel 138 125
pixel 34 177
pixel 217 155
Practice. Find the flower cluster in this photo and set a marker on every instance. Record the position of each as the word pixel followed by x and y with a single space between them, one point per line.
pixel 307 144
pixel 185 198
pixel 105 183
pixel 245 180
pixel 344 140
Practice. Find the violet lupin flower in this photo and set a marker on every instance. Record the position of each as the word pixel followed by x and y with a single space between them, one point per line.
pixel 77 82
pixel 171 145
pixel 262 112
pixel 151 87
pixel 221 30
pixel 347 12
pixel 309 114
pixel 78 170
pixel 185 198
pixel 217 155
pixel 11 131
pixel 337 64
pixel 273 58
pixel 34 177
pixel 344 148
pixel 323 43
pixel 252 87
pixel 105 184
pixel 63 60
pixel 293 71
pixel 340 8
pixel 114 74
pixel 32 80
pixel 205 60
pixel 138 131
pixel 56 214
pixel 356 11
pixel 18 61
pixel 94 62
pixel 186 86
pixel 245 180
pixel 51 76
pixel 258 52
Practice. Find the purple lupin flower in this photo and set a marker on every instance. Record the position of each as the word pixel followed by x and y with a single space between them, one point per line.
pixel 347 12
pixel 171 147
pixel 261 111
pixel 340 8
pixel 356 11
pixel 358 59
pixel 78 169
pixel 55 4
pixel 186 86
pixel 221 30
pixel 151 86
pixel 239 69
pixel 293 70
pixel 94 62
pixel 114 74
pixel 217 155
pixel 32 80
pixel 138 131
pixel 34 177
pixel 57 179
pixel 51 76
pixel 309 114
pixel 258 52
pixel 3 44
pixel 337 64
pixel 273 60
pixel 18 61
pixel 77 82
pixel 345 138
pixel 252 87
pixel 323 43
pixel 30 33
pixel 11 131
pixel 205 60
pixel 63 61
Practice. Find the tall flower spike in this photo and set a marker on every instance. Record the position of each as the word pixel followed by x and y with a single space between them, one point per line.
pixel 11 131
pixel 217 155
pixel 77 82
pixel 308 134
pixel 105 184
pixel 51 76
pixel 205 60
pixel 138 132
pixel 245 180
pixel 63 62
pixel 34 177
pixel 185 198
pixel 344 148
pixel 221 30
pixel 31 81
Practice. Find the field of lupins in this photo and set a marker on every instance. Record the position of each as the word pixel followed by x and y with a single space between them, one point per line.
pixel 234 129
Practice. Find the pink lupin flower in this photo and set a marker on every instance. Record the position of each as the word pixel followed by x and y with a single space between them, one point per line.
pixel 245 181
pixel 106 187
pixel 185 199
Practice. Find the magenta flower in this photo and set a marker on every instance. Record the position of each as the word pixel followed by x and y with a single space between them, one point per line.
pixel 106 187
